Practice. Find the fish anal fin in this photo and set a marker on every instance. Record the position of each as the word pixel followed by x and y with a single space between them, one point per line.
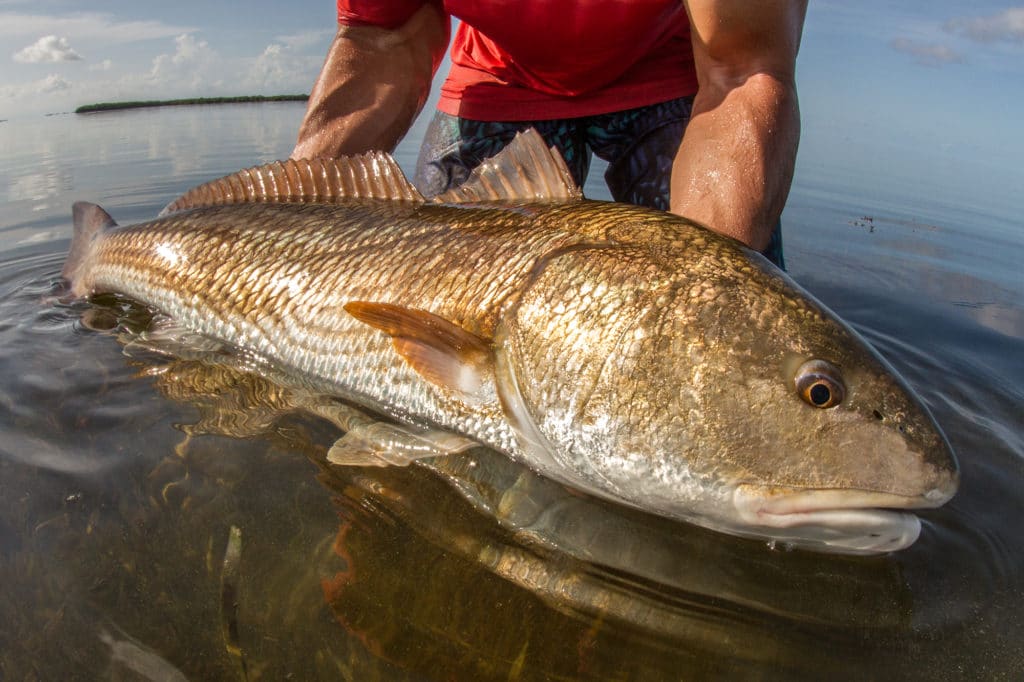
pixel 441 351
pixel 169 337
pixel 525 170
pixel 374 175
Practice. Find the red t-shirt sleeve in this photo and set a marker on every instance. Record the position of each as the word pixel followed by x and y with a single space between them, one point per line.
pixel 384 14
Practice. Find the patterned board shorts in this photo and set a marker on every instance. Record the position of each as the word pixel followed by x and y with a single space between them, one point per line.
pixel 638 144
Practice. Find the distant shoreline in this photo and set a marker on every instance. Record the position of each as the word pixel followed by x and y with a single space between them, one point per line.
pixel 117 106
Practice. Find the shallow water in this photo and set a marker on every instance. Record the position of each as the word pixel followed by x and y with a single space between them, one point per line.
pixel 122 476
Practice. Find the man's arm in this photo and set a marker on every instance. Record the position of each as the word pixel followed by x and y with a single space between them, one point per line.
pixel 735 165
pixel 372 85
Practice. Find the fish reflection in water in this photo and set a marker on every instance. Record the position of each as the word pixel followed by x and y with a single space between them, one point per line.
pixel 474 565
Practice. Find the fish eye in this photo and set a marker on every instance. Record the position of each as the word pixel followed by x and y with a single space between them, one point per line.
pixel 819 384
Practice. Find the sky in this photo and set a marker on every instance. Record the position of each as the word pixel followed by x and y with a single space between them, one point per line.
pixel 59 54
pixel 944 80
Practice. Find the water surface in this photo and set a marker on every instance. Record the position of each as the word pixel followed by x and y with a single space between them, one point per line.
pixel 122 474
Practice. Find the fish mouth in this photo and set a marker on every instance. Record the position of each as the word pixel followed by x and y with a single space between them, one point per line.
pixel 833 521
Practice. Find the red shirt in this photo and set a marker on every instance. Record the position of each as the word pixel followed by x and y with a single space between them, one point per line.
pixel 542 59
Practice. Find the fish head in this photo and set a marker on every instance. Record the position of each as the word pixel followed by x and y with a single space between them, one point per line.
pixel 708 386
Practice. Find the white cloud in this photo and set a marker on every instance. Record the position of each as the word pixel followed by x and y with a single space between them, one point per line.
pixel 105 65
pixel 52 83
pixel 191 66
pixel 305 39
pixel 1007 26
pixel 927 54
pixel 91 26
pixel 45 86
pixel 47 49
pixel 280 70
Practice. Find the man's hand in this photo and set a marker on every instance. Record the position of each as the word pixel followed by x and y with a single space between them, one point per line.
pixel 372 85
pixel 735 165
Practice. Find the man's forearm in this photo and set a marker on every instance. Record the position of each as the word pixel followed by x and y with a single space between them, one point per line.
pixel 372 85
pixel 735 165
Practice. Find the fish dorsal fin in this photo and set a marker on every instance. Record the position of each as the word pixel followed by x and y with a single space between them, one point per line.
pixel 442 352
pixel 374 175
pixel 525 170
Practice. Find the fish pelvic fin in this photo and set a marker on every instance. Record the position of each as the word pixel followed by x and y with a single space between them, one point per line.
pixel 374 175
pixel 90 222
pixel 383 444
pixel 525 170
pixel 441 351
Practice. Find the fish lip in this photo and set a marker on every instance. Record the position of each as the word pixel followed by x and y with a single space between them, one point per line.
pixel 778 501
pixel 834 520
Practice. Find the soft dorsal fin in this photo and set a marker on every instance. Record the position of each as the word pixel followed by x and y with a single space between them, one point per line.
pixel 374 175
pixel 442 352
pixel 525 170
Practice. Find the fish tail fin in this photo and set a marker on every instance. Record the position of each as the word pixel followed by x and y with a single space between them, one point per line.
pixel 90 223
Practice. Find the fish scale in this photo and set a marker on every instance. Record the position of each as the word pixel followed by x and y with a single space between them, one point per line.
pixel 241 302
pixel 626 352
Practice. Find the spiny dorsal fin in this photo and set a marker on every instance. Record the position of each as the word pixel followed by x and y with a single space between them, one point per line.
pixel 374 175
pixel 442 352
pixel 526 170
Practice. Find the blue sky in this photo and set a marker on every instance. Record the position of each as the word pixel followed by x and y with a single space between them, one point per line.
pixel 943 81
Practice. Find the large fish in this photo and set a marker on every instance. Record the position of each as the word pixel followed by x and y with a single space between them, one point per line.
pixel 625 352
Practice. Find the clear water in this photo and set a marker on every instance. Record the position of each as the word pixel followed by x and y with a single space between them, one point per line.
pixel 121 476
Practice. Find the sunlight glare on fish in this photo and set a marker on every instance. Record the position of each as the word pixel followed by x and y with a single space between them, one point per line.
pixel 170 254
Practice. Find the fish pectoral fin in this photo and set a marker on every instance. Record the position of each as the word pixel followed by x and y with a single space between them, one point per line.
pixel 442 352
pixel 525 170
pixel 384 444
